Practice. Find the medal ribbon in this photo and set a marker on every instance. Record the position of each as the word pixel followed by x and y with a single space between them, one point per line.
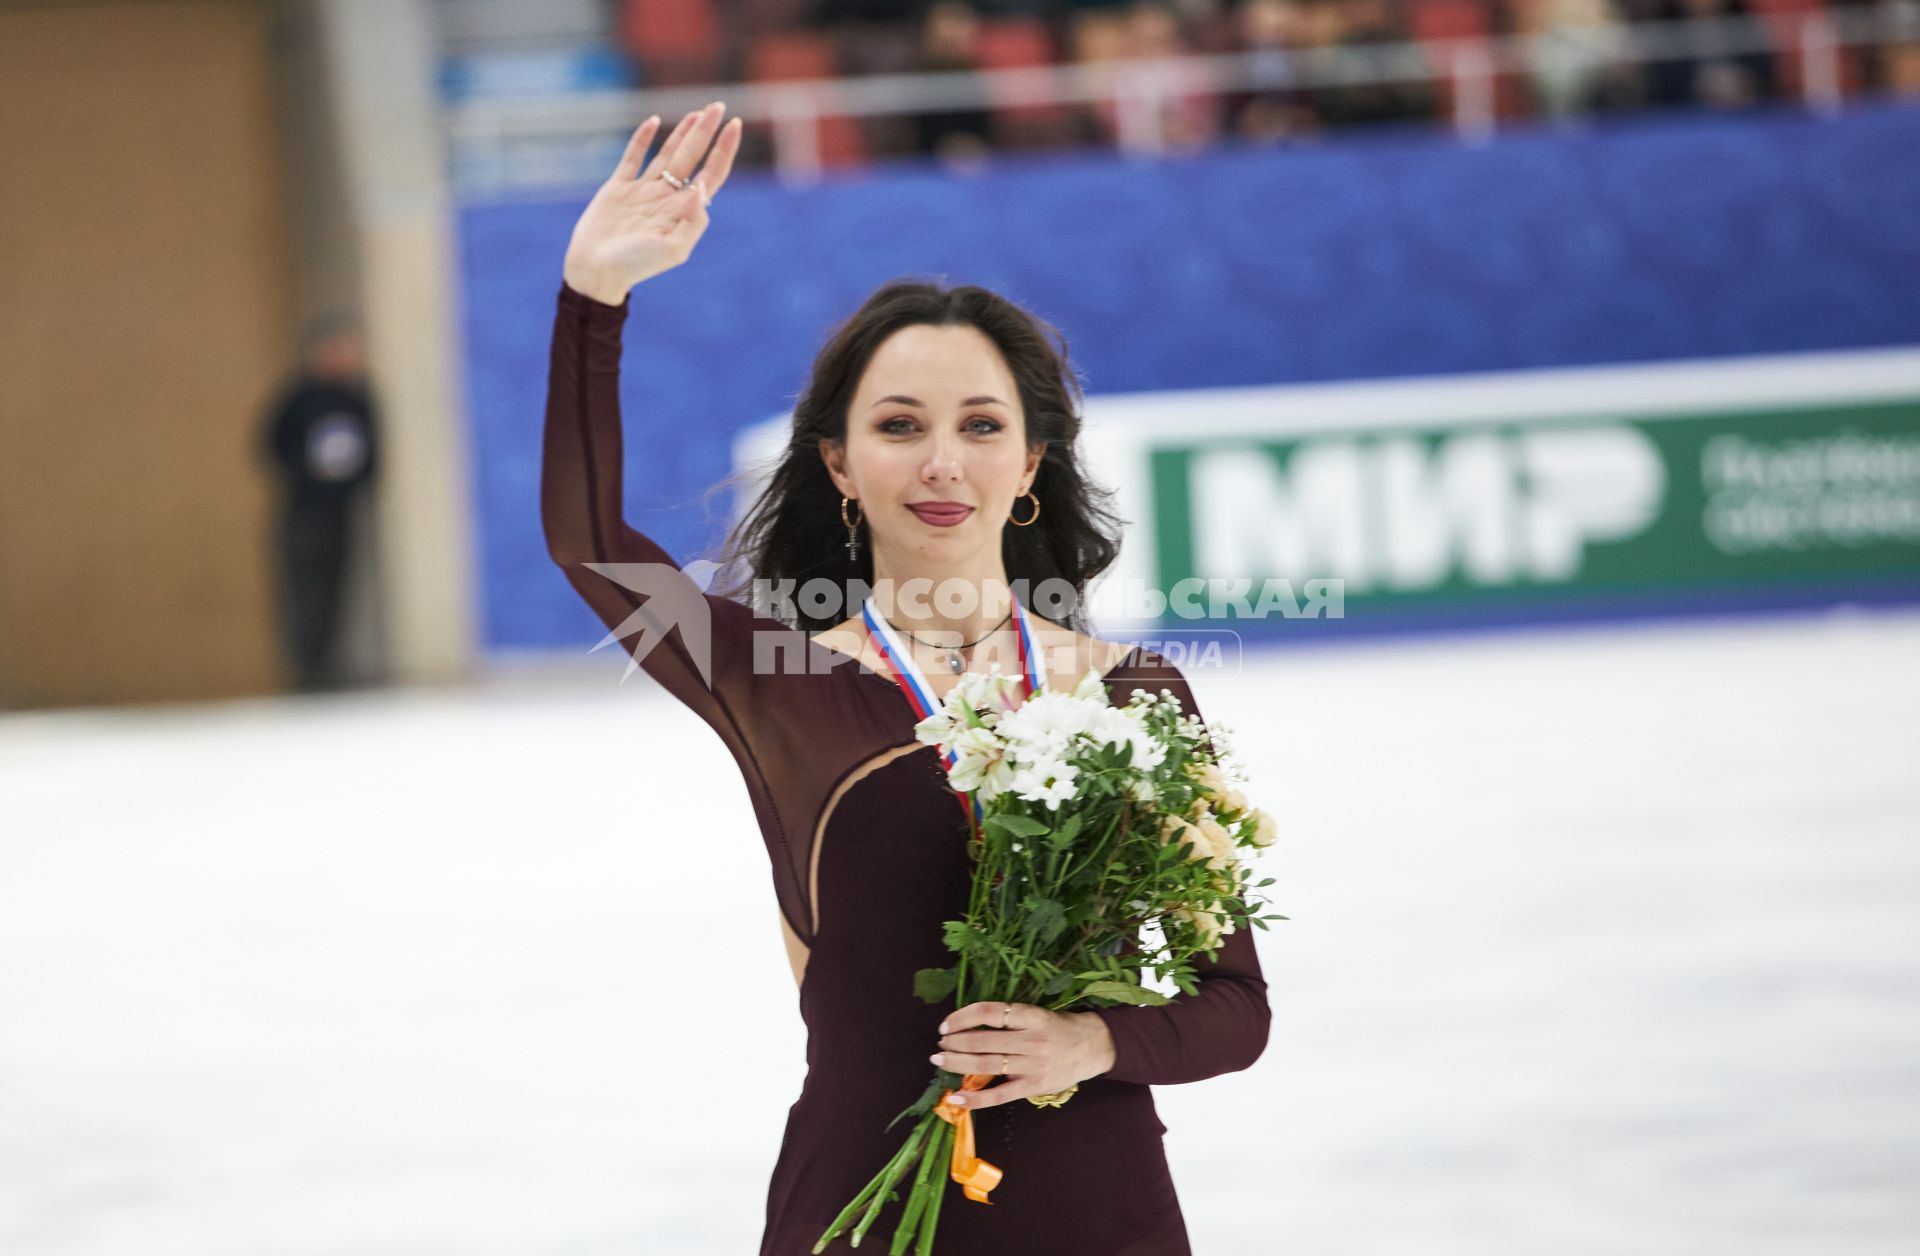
pixel 976 1176
pixel 887 642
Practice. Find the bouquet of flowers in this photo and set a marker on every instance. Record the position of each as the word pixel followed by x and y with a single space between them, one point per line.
pixel 1091 824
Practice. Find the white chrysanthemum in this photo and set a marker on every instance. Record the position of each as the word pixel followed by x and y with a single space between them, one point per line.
pixel 1118 727
pixel 1048 780
pixel 1047 723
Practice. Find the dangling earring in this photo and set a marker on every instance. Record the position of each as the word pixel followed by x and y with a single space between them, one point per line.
pixel 1021 523
pixel 853 537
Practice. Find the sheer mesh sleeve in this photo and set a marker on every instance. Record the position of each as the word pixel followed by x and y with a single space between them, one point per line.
pixel 701 647
pixel 1222 1026
pixel 581 509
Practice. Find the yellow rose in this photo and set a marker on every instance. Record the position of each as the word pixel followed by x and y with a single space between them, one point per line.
pixel 1208 776
pixel 1214 782
pixel 1219 842
pixel 1177 829
pixel 1265 828
pixel 1205 923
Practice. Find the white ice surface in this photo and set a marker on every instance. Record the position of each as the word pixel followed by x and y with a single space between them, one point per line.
pixel 1602 941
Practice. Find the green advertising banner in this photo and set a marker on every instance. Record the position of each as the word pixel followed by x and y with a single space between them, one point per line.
pixel 1555 508
pixel 1504 497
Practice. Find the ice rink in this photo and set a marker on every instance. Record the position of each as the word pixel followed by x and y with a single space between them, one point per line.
pixel 1604 941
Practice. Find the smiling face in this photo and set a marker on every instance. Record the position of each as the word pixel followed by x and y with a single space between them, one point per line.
pixel 935 449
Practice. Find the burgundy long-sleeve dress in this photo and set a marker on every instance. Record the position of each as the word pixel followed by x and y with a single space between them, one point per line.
pixel 867 844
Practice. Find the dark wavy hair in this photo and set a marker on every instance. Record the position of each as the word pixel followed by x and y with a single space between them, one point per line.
pixel 793 531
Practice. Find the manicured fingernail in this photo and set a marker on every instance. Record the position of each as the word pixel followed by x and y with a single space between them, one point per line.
pixel 959 1101
pixel 943 1027
pixel 935 1058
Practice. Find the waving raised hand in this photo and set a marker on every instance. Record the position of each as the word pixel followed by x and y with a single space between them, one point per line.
pixel 645 221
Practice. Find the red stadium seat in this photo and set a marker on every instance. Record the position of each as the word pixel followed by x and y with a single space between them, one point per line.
pixel 1018 43
pixel 676 41
pixel 1015 41
pixel 670 28
pixel 1785 21
pixel 787 55
pixel 1436 23
pixel 782 55
pixel 1434 20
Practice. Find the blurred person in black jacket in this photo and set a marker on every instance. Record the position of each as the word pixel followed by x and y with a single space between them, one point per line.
pixel 950 40
pixel 1361 23
pixel 1274 32
pixel 321 437
pixel 1711 72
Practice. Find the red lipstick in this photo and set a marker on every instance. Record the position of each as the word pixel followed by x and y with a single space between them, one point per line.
pixel 940 514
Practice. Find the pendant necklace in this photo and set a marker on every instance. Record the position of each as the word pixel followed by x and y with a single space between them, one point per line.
pixel 887 642
pixel 950 655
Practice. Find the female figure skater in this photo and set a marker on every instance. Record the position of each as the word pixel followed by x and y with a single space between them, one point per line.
pixel 937 433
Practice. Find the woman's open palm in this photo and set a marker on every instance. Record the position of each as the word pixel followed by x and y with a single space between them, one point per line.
pixel 639 224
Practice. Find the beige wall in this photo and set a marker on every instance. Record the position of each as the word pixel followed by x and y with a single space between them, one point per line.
pixel 146 313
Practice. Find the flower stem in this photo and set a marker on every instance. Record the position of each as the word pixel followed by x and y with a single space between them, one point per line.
pixel 943 1144
pixel 881 1181
pixel 917 1198
pixel 889 1176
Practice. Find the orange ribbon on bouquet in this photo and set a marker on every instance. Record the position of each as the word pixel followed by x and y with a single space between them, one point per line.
pixel 974 1174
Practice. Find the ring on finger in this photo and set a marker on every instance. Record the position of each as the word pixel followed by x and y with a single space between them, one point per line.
pixel 673 180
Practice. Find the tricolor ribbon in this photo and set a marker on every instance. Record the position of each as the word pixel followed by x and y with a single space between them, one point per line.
pixel 887 640
pixel 975 1176
pixel 887 643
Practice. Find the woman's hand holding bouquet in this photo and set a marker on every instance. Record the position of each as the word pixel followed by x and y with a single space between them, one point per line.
pixel 1106 846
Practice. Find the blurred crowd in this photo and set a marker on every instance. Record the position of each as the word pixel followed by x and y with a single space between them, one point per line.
pixel 1584 65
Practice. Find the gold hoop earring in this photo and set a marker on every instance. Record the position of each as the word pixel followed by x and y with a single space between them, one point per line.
pixel 853 537
pixel 1021 523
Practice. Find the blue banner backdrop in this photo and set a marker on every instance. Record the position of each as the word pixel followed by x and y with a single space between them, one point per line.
pixel 1653 237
